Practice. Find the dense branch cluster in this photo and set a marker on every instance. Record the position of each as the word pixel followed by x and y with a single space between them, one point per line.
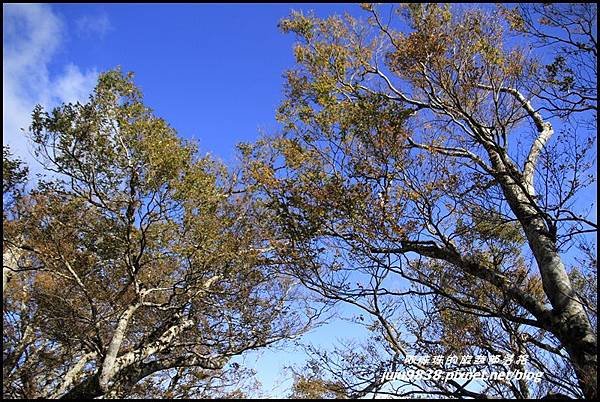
pixel 424 178
pixel 136 268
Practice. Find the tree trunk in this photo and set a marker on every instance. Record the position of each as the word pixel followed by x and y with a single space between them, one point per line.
pixel 108 370
pixel 570 323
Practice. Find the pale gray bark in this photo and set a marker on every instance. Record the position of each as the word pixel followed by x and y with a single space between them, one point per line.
pixel 536 148
pixel 108 369
pixel 567 320
pixel 10 263
pixel 114 365
pixel 11 360
pixel 161 343
pixel 73 374
pixel 544 130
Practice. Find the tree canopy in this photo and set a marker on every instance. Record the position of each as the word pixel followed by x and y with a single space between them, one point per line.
pixel 433 173
pixel 141 270
pixel 427 174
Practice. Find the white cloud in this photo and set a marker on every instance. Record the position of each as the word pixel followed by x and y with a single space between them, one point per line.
pixel 33 34
pixel 74 85
pixel 93 25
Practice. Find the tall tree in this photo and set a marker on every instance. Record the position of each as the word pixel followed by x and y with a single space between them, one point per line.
pixel 428 174
pixel 141 264
pixel 14 177
pixel 14 174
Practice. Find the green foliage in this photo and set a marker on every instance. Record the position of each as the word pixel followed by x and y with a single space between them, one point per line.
pixel 14 172
pixel 137 220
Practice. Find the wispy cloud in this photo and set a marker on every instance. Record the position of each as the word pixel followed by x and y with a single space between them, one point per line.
pixel 93 25
pixel 33 34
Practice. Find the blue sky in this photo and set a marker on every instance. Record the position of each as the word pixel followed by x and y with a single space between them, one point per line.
pixel 214 72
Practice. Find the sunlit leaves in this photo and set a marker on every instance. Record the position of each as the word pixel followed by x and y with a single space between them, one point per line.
pixel 134 219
